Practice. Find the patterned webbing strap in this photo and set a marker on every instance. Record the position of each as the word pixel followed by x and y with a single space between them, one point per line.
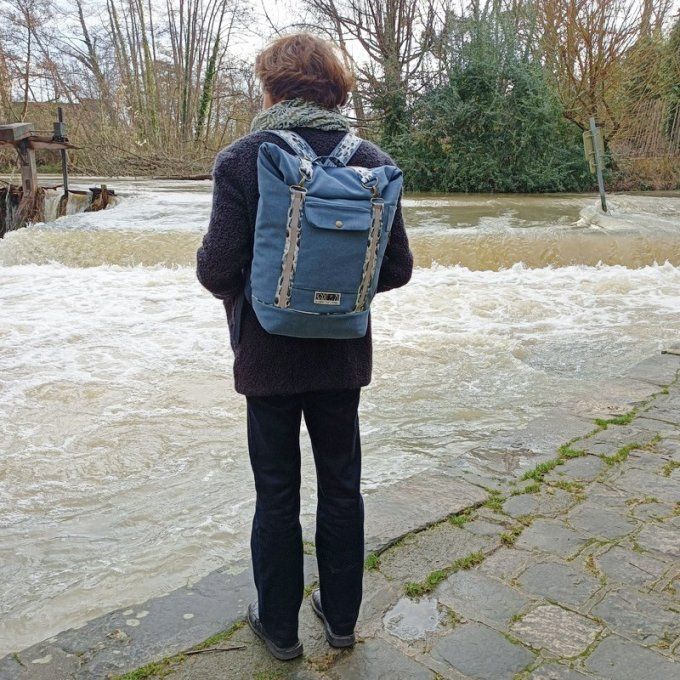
pixel 371 258
pixel 291 248
pixel 347 147
pixel 295 142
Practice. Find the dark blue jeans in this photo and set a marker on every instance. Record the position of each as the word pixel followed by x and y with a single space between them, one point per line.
pixel 276 541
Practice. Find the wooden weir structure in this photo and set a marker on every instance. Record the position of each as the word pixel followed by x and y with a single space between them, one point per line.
pixel 24 203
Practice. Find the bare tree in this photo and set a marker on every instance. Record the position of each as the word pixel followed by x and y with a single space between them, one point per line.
pixel 396 36
pixel 585 42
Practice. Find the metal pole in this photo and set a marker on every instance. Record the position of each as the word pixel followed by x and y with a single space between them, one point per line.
pixel 598 162
pixel 64 157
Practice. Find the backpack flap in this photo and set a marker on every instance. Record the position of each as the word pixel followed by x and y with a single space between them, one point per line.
pixel 338 215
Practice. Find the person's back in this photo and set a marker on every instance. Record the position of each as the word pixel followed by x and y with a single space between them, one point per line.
pixel 285 377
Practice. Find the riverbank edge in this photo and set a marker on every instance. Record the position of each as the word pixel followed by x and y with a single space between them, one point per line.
pixel 160 630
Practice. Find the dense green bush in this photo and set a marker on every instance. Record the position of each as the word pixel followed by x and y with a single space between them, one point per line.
pixel 493 125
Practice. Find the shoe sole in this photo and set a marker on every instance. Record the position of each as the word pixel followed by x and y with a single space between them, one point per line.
pixel 274 650
pixel 337 641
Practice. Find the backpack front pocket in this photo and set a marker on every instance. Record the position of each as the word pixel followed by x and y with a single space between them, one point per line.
pixel 332 249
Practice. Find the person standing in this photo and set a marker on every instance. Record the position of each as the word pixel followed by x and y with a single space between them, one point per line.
pixel 286 378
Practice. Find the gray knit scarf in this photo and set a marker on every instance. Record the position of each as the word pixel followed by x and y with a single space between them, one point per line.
pixel 293 113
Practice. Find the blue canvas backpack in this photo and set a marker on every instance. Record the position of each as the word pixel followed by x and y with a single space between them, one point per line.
pixel 320 236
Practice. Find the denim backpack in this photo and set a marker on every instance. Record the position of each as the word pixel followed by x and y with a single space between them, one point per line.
pixel 320 236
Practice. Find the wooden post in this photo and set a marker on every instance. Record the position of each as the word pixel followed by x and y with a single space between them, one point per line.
pixel 29 207
pixel 599 160
pixel 60 136
pixel 29 172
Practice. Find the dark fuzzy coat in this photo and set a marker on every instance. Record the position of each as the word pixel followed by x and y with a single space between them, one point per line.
pixel 266 364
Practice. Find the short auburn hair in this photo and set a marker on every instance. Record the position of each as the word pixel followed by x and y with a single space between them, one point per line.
pixel 304 66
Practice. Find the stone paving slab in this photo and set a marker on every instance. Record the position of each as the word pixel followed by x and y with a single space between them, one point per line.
pixel 415 502
pixel 584 469
pixel 548 503
pixel 483 598
pixel 640 616
pixel 432 549
pixel 542 435
pixel 558 631
pixel 130 636
pixel 556 672
pixel 552 537
pixel 636 482
pixel 608 442
pixel 628 566
pixel 619 659
pixel 596 520
pixel 560 582
pixel 508 563
pixel 480 652
pixel 663 539
pixel 377 659
pixel 658 370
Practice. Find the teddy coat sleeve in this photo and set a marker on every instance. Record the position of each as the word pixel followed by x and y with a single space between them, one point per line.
pixel 227 245
pixel 397 265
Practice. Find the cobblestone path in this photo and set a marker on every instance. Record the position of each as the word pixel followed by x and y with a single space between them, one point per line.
pixel 569 573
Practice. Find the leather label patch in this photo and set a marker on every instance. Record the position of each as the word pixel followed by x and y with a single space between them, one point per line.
pixel 324 298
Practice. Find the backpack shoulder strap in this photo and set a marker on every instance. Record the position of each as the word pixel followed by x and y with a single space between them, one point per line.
pixel 295 142
pixel 347 147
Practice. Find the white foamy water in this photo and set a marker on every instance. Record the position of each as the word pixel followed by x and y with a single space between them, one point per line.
pixel 124 466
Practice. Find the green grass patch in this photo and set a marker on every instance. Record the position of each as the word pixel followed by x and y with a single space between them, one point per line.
pixel 460 519
pixel 372 562
pixel 495 501
pixel 566 452
pixel 668 468
pixel 510 537
pixel 621 454
pixel 220 637
pixel 152 670
pixel 434 578
pixel 155 669
pixel 542 469
pixel 453 618
pixel 625 419
pixel 268 675
pixel 571 487
pixel 634 502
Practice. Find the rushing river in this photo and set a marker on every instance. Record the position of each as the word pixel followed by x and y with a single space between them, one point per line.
pixel 123 464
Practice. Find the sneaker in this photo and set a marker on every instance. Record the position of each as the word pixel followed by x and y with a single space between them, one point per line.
pixel 280 653
pixel 334 640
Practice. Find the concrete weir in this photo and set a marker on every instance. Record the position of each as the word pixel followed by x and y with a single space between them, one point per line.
pixel 557 563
